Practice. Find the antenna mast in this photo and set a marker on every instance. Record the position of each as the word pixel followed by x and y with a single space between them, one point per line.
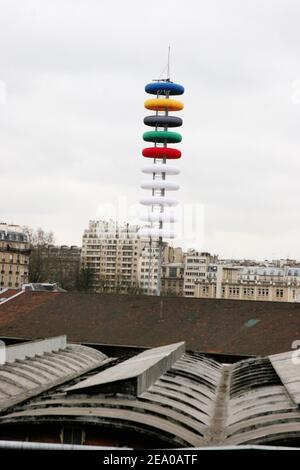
pixel 168 67
pixel 159 203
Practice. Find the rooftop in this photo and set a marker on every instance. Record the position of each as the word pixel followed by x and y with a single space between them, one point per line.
pixel 181 399
pixel 206 325
pixel 42 287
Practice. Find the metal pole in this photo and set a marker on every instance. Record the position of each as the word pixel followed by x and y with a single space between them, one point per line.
pixel 168 70
pixel 160 240
pixel 149 266
pixel 158 286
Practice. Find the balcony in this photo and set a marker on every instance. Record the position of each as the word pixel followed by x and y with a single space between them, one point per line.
pixel 11 249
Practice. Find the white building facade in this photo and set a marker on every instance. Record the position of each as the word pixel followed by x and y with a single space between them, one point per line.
pixel 111 252
pixel 195 268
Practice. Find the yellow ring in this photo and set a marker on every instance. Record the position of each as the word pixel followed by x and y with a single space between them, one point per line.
pixel 160 104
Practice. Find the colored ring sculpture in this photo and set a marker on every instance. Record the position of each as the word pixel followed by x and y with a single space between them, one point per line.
pixel 162 137
pixel 161 152
pixel 162 104
pixel 163 121
pixel 164 88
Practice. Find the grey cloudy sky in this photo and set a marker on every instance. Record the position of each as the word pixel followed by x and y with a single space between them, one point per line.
pixel 71 121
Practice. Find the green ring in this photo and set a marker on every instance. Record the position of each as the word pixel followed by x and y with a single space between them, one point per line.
pixel 162 137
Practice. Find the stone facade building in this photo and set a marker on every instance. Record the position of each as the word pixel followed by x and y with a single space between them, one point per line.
pixel 172 278
pixel 61 265
pixel 250 283
pixel 14 256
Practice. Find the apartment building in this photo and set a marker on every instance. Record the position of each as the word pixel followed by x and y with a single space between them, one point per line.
pixel 148 268
pixel 172 279
pixel 195 268
pixel 250 283
pixel 118 261
pixel 61 265
pixel 171 269
pixel 14 252
pixel 111 252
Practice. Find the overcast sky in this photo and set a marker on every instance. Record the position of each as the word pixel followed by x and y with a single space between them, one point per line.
pixel 72 76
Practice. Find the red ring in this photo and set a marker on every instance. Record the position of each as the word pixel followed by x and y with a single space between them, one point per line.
pixel 161 152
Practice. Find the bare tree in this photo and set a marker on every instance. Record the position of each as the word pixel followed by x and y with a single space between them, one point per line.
pixel 38 266
pixel 39 237
pixel 84 279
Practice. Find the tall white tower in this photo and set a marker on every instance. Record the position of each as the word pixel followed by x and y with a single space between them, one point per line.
pixel 159 215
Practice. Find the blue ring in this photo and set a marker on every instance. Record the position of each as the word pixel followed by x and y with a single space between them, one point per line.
pixel 163 88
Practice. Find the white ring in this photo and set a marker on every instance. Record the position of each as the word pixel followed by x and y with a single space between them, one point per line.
pixel 161 200
pixel 156 232
pixel 160 184
pixel 160 168
pixel 158 217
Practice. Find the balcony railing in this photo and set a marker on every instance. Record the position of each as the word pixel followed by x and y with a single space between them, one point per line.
pixel 10 249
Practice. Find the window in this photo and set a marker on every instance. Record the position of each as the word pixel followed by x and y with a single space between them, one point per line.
pixel 234 290
pixel 248 292
pixel 279 293
pixel 173 272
